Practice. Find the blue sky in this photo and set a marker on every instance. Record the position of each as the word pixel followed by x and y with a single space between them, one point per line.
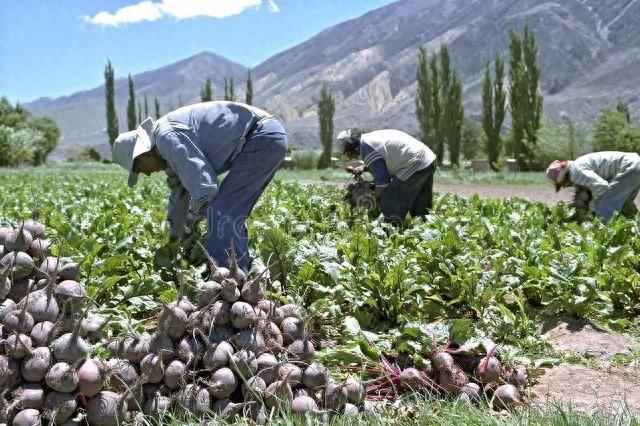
pixel 58 47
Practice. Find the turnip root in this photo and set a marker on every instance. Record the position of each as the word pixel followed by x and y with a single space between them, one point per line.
pixel 292 329
pixel 303 405
pixel 208 293
pixel 335 396
pixel 413 379
pixel 71 294
pixel 5 284
pixel 9 372
pixel 230 291
pixel 4 232
pixel 451 381
pixel 19 321
pixel 217 356
pixel 172 321
pixel 18 240
pixel 243 315
pixel 50 266
pixel 244 363
pixel 35 228
pixel 442 361
pixel 278 392
pixel 505 397
pixel 28 417
pixel 350 410
pixel 41 333
pixel 70 272
pixel 157 406
pixel 195 400
pixel 252 292
pixel 470 393
pixel 60 405
pixel 70 346
pixel 106 409
pixel 223 383
pixel 290 373
pixel 291 311
pixel 20 288
pixel 254 389
pixel 267 368
pixel 152 368
pixel 62 377
pixel 219 334
pixel 184 304
pixel 34 367
pixel 175 374
pixel 355 390
pixel 134 349
pixel 162 345
pixel 219 313
pixel 516 375
pixel 301 350
pixel 315 376
pixel 28 395
pixel 488 370
pixel 123 375
pixel 18 346
pixel 235 273
pixel 251 340
pixel 40 248
pixel 228 409
pixel 189 350
pixel 7 306
pixel 90 380
pixel 257 413
pixel 41 304
pixel 21 264
pixel 274 313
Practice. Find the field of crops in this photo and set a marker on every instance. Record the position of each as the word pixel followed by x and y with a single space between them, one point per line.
pixel 473 274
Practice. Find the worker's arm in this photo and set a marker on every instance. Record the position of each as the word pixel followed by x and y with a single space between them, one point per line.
pixel 376 165
pixel 192 179
pixel 589 179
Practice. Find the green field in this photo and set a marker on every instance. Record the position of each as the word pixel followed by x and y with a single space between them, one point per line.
pixel 475 271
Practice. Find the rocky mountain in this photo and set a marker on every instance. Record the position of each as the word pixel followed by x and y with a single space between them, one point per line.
pixel 589 54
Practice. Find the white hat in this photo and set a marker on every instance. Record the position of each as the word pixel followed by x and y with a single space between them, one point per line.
pixel 129 145
pixel 345 134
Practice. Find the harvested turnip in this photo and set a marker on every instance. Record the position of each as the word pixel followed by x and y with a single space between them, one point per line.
pixel 208 293
pixel 230 291
pixel 70 346
pixel 355 390
pixel 219 334
pixel 19 321
pixel 5 283
pixel 60 405
pixel 172 321
pixel 335 396
pixel 175 374
pixel 291 310
pixel 9 372
pixel 252 292
pixel 34 367
pixel 162 345
pixel 21 264
pixel 28 417
pixel 254 389
pixel 488 370
pixel 122 374
pixel 251 339
pixel 90 380
pixel 290 373
pixel 106 409
pixel 62 377
pixel 6 306
pixel 301 350
pixel 274 313
pixel 277 393
pixel 41 304
pixel 28 395
pixel 267 368
pixel 134 349
pixel 470 393
pixel 244 363
pixel 223 383
pixel 292 329
pixel 413 379
pixel 303 405
pixel 20 288
pixel 189 350
pixel 18 240
pixel 442 361
pixel 194 399
pixel 152 368
pixel 70 272
pixel 4 232
pixel 451 381
pixel 157 406
pixel 71 294
pixel 41 333
pixel 243 315
pixel 516 375
pixel 228 409
pixel 505 397
pixel 315 375
pixel 35 228
pixel 18 346
pixel 217 356
pixel 184 304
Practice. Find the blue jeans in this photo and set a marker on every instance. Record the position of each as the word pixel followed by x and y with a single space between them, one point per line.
pixel 622 190
pixel 249 175
pixel 414 195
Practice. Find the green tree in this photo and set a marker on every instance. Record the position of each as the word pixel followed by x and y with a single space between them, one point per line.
pixel 131 106
pixel 424 106
pixel 526 100
pixel 139 113
pixel 453 118
pixel 112 117
pixel 206 93
pixel 51 133
pixel 146 106
pixel 326 110
pixel 249 94
pixel 12 116
pixel 612 132
pixel 436 108
pixel 472 139
pixel 156 103
pixel 494 99
pixel 229 90
pixel 623 108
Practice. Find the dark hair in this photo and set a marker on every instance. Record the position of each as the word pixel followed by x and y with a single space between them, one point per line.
pixel 351 146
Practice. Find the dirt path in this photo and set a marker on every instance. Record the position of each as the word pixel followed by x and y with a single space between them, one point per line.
pixel 544 194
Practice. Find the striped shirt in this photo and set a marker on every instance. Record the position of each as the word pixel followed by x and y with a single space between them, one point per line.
pixel 403 154
pixel 598 169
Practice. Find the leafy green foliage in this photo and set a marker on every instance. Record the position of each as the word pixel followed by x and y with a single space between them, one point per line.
pixel 326 109
pixel 206 93
pixel 613 132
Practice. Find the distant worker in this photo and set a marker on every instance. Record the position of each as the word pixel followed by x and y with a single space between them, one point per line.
pixel 402 168
pixel 197 143
pixel 612 178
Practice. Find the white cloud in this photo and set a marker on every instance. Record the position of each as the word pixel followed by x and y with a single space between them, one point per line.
pixel 273 7
pixel 179 9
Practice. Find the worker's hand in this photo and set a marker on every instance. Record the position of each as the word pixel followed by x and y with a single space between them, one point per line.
pixel 356 171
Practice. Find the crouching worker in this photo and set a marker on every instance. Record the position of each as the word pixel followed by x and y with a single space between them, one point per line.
pixel 402 168
pixel 612 178
pixel 195 144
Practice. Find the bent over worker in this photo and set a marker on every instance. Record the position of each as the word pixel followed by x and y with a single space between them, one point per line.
pixel 197 143
pixel 402 168
pixel 612 177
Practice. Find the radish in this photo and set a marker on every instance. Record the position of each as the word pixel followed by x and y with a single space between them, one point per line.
pixel 20 262
pixel 90 380
pixel 134 349
pixel 244 363
pixel 292 329
pixel 254 389
pixel 71 294
pixel 34 367
pixel 290 373
pixel 230 291
pixel 162 345
pixel 41 333
pixel 28 395
pixel 208 293
pixel 301 350
pixel 355 390
pixel 442 361
pixel 60 405
pixel 278 392
pixel 28 417
pixel 62 377
pixel 41 304
pixel 335 396
pixel 505 397
pixel 291 311
pixel 194 399
pixel 223 384
pixel 70 272
pixel 451 381
pixel 9 372
pixel 243 315
pixel 488 370
pixel 175 374
pixel 106 409
pixel 18 240
pixel 151 367
pixel 267 368
pixel 157 406
pixel 35 228
pixel 70 346
pixel 315 375
pixel 251 339
pixel 18 346
pixel 303 405
pixel 39 248
pixel 252 292
pixel 172 321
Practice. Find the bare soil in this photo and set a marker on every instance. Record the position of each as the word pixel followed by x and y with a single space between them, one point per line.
pixel 542 194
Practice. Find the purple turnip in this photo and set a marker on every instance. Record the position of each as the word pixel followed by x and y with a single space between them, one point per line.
pixel 244 363
pixel 41 304
pixel 4 232
pixel 189 350
pixel 254 389
pixel 71 294
pixel 218 314
pixel 90 378
pixel 292 329
pixel 235 273
pixel 28 417
pixel 172 321
pixel 350 410
pixel 41 333
pixel 223 383
pixel 21 264
pixel 28 395
pixel 70 272
pixel 335 396
pixel 34 367
pixel 208 292
pixel 277 393
pixel 5 283
pixel 7 306
pixel 228 409
pixel 20 288
pixel 60 405
pixel 516 375
pixel 505 397
pixel 157 406
pixel 50 266
pixel 301 351
pixel 9 372
pixel 230 291
pixel 290 373
pixel 217 356
pixel 175 374
pixel 268 368
pixel 303 405
pixel 18 240
pixel 184 304
pixel 488 370
pixel 35 228
pixel 274 313
pixel 451 381
pixel 18 346
pixel 243 315
pixel 355 390
pixel 413 379
pixel 442 361
pixel 470 393
pixel 291 311
pixel 194 399
pixel 70 346
pixel 106 409
pixel 19 321
pixel 134 349
pixel 152 368
pixel 62 377
pixel 315 376
pixel 251 339
pixel 40 248
pixel 162 345
pixel 252 292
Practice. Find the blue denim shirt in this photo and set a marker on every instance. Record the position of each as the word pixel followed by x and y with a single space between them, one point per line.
pixel 199 142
